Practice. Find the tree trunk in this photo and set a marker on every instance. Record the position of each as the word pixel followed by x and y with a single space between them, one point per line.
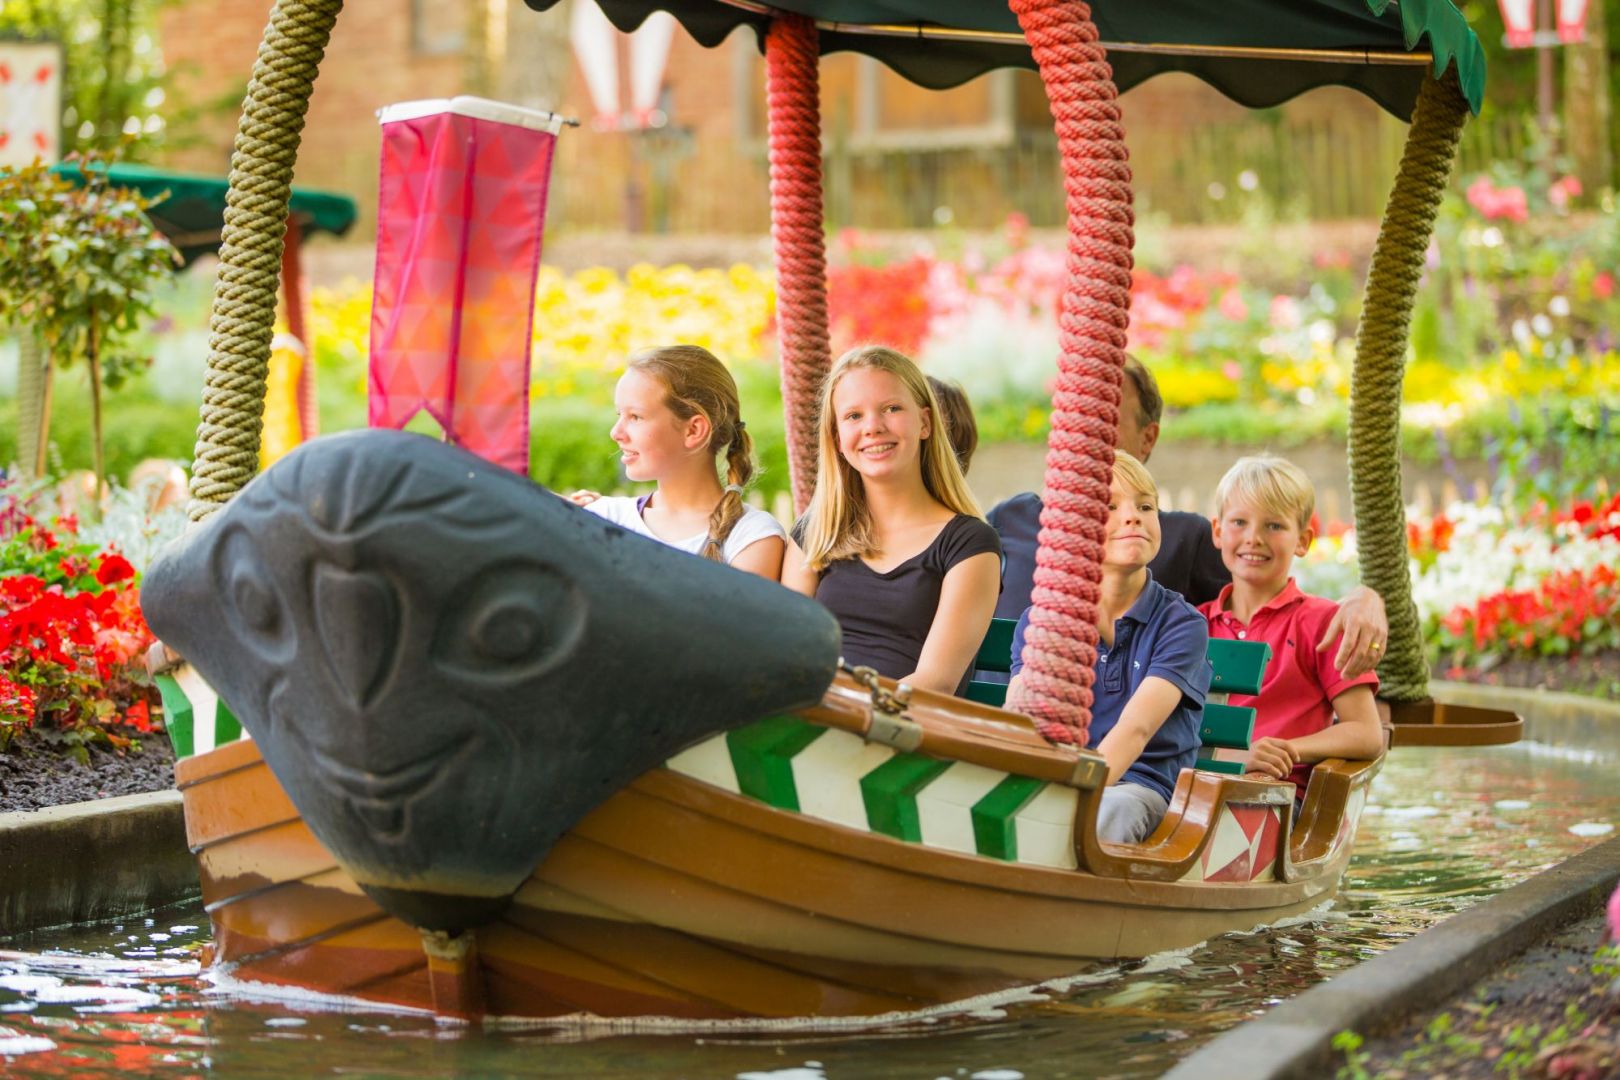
pixel 1587 104
pixel 33 403
pixel 94 360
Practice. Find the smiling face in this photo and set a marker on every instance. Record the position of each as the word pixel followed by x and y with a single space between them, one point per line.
pixel 880 426
pixel 1259 545
pixel 653 442
pixel 1132 536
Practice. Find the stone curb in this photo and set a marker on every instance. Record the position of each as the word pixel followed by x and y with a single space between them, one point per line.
pixel 95 860
pixel 1295 1038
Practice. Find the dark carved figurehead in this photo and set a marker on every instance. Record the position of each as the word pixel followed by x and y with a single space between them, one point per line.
pixel 447 667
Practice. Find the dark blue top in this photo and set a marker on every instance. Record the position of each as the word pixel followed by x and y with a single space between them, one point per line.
pixel 1187 563
pixel 1160 635
pixel 885 618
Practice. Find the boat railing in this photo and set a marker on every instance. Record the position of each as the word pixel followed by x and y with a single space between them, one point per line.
pixel 945 727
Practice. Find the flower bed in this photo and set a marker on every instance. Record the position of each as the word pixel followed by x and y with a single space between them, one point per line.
pixel 72 638
pixel 1529 593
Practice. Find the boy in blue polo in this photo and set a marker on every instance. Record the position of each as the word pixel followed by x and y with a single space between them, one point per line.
pixel 1152 666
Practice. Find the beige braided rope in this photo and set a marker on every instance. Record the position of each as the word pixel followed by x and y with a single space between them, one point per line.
pixel 1375 387
pixel 244 312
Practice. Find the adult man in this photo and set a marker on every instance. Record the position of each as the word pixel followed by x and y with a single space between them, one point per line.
pixel 1187 562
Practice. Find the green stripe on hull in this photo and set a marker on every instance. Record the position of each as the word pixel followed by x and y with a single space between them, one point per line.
pixel 177 715
pixel 995 833
pixel 762 754
pixel 890 793
pixel 227 728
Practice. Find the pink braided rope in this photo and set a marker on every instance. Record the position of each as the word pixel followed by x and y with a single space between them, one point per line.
pixel 792 53
pixel 1060 647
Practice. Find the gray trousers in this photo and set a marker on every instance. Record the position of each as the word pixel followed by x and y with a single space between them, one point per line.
pixel 1129 813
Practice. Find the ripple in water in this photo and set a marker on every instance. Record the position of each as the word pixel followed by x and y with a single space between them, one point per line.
pixel 128 997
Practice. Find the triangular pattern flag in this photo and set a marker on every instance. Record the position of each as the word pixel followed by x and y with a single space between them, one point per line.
pixel 461 210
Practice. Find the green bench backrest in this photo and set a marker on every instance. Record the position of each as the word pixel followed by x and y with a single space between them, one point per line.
pixel 1237 667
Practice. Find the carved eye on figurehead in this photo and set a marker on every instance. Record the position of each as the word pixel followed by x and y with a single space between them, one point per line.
pixel 252 603
pixel 511 623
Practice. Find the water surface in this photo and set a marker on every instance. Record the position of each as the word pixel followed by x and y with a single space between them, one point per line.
pixel 1443 829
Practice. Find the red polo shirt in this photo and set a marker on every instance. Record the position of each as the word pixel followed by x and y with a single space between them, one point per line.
pixel 1296 695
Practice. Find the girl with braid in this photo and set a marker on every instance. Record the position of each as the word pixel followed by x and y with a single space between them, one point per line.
pixel 677 412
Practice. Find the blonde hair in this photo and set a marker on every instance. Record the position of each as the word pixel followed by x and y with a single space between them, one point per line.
pixel 697 383
pixel 1275 484
pixel 838 524
pixel 1134 475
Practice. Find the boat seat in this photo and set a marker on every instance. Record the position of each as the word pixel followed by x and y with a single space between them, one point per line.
pixel 1237 667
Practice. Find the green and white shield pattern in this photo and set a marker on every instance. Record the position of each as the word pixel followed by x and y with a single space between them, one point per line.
pixel 197 720
pixel 841 778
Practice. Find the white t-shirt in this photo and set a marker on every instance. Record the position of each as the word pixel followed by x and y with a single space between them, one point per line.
pixel 753 525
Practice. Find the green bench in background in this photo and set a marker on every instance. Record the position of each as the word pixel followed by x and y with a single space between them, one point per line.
pixel 1237 668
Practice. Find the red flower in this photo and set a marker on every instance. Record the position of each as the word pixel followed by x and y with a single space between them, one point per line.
pixel 139 717
pixel 114 567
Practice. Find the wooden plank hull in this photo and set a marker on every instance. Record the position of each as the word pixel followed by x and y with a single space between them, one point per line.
pixel 678 898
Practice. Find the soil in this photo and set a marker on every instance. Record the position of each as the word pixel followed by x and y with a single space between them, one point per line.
pixel 35 774
pixel 1553 1011
pixel 1597 676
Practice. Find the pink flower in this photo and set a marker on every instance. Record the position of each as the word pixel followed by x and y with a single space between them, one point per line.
pixel 1614 917
pixel 1232 370
pixel 1284 312
pixel 1232 306
pixel 1562 190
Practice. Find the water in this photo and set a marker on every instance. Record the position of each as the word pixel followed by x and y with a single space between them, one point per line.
pixel 1444 828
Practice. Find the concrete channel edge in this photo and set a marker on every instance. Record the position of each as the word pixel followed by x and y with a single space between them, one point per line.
pixel 89 861
pixel 1295 1038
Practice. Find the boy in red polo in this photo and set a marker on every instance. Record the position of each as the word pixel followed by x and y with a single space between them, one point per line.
pixel 1263 523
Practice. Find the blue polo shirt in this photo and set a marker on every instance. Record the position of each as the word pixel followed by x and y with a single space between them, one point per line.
pixel 1160 635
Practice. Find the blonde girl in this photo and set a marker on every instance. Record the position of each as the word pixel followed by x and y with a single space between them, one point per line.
pixel 677 412
pixel 893 543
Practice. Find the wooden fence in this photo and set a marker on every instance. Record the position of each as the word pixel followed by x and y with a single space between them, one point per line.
pixel 1321 168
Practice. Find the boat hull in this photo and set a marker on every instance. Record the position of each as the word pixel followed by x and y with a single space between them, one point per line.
pixel 678 898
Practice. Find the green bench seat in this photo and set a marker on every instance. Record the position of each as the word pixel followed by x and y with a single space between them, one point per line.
pixel 1237 667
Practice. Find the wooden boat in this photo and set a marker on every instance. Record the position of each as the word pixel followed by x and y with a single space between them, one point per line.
pixel 861 851
pixel 749 877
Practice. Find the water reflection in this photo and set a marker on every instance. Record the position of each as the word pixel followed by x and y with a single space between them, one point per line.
pixel 127 997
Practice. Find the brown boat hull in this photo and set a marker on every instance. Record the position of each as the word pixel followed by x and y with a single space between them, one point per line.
pixel 677 898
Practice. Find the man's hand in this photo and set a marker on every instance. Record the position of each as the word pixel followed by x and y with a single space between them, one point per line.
pixel 1273 757
pixel 1361 620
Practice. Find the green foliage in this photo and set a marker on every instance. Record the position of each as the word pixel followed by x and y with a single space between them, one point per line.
pixel 113 72
pixel 142 426
pixel 1355 1058
pixel 79 265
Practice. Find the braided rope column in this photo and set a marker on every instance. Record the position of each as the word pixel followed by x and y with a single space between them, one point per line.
pixel 1061 645
pixel 244 311
pixel 1375 387
pixel 792 89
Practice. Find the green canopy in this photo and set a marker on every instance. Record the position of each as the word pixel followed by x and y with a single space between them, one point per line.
pixel 1259 53
pixel 191 209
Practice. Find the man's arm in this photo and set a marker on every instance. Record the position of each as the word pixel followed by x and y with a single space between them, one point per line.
pixel 1361 620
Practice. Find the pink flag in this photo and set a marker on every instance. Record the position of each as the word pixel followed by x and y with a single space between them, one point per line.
pixel 460 210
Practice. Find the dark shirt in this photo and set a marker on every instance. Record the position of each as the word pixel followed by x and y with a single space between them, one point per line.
pixel 1160 635
pixel 886 617
pixel 1187 563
